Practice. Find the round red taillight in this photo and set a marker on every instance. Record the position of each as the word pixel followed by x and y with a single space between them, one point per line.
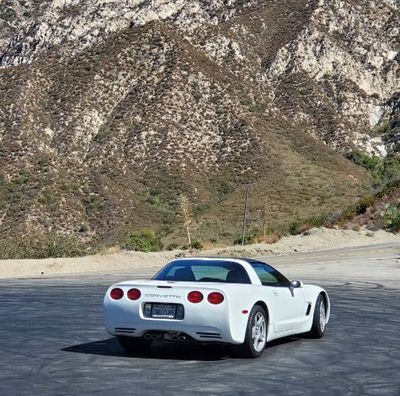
pixel 195 297
pixel 134 294
pixel 215 298
pixel 116 294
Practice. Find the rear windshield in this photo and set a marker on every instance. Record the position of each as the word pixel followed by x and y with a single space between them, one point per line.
pixel 203 271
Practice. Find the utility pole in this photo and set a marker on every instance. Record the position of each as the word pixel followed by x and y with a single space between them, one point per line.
pixel 246 199
pixel 264 213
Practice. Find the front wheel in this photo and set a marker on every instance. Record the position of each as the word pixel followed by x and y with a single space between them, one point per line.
pixel 133 345
pixel 256 334
pixel 319 321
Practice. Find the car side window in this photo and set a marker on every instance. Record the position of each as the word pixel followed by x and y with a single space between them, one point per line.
pixel 269 276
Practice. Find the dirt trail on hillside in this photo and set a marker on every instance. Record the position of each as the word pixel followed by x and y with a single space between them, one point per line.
pixel 316 239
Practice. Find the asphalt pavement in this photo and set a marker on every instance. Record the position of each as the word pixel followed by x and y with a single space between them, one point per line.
pixel 52 339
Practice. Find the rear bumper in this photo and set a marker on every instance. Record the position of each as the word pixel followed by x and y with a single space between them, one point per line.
pixel 199 333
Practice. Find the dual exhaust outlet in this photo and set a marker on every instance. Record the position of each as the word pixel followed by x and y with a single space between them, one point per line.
pixel 172 336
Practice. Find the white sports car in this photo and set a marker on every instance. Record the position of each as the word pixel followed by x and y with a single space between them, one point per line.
pixel 243 302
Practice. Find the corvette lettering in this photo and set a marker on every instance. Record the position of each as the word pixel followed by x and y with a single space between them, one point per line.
pixel 162 295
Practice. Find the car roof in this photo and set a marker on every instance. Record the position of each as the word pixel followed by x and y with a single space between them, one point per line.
pixel 235 259
pixel 231 259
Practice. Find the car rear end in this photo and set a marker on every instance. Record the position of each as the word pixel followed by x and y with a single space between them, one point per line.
pixel 169 311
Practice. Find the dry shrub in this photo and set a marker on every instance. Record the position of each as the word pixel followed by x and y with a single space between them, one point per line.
pixel 269 238
pixel 209 245
pixel 110 250
pixel 304 228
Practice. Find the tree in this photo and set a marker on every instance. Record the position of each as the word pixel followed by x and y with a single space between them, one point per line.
pixel 185 214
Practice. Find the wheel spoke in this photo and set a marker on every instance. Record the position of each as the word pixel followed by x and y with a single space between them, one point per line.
pixel 322 316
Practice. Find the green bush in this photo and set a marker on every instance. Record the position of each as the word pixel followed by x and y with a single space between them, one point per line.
pixel 382 170
pixel 294 228
pixel 391 217
pixel 372 163
pixel 249 238
pixel 172 246
pixel 391 169
pixel 196 245
pixel 142 241
pixel 317 221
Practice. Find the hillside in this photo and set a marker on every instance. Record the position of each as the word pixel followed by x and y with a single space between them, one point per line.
pixel 110 110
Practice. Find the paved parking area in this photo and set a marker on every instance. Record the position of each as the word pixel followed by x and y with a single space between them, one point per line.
pixel 52 340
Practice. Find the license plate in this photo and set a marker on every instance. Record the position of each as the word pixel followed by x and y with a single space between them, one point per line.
pixel 163 311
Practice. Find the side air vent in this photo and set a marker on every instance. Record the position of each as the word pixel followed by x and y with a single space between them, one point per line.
pixel 125 330
pixel 308 310
pixel 206 334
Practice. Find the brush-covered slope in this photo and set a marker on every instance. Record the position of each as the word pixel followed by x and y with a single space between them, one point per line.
pixel 110 110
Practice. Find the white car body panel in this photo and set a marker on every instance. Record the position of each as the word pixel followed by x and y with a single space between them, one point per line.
pixel 290 310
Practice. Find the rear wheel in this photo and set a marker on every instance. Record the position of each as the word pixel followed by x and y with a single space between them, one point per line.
pixel 256 334
pixel 134 345
pixel 319 321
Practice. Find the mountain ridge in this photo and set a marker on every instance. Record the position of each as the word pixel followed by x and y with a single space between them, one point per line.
pixel 99 137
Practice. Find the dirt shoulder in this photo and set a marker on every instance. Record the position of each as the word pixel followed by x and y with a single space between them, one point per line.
pixel 316 239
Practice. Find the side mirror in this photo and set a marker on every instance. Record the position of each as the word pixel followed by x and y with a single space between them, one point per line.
pixel 296 284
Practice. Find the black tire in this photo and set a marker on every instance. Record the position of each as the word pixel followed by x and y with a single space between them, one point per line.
pixel 134 345
pixel 248 349
pixel 319 320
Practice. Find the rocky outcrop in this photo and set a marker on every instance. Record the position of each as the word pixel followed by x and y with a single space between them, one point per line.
pixel 75 24
pixel 345 54
pixel 352 53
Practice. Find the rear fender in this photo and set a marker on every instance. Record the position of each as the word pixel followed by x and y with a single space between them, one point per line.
pixel 240 304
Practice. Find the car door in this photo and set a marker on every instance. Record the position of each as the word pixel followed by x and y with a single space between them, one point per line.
pixel 288 303
pixel 291 308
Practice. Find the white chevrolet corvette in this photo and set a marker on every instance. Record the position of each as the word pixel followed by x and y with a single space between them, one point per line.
pixel 243 302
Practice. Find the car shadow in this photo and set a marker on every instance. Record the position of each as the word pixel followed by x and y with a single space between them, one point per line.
pixel 168 351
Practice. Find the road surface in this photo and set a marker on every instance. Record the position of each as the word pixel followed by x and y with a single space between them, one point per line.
pixel 52 341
